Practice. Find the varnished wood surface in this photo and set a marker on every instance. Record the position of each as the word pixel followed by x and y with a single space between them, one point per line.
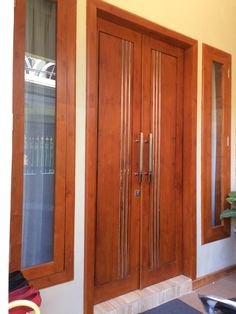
pixel 189 160
pixel 17 136
pixel 126 19
pixel 61 268
pixel 212 233
pixel 117 209
pixel 113 250
pixel 162 203
pixel 91 156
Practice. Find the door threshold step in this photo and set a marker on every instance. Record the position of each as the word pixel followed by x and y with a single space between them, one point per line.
pixel 139 301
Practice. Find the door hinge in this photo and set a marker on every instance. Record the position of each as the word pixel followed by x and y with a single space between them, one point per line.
pixel 228 73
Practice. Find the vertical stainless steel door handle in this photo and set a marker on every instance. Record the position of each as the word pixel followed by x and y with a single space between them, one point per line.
pixel 140 170
pixel 150 157
pixel 141 158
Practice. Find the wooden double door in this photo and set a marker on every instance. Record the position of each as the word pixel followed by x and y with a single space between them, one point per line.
pixel 138 236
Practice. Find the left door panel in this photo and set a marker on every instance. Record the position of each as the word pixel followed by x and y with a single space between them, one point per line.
pixel 118 142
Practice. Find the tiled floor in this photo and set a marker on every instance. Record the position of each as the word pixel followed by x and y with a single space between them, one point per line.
pixel 225 288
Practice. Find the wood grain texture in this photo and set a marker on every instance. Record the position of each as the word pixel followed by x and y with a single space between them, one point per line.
pixel 162 197
pixel 18 136
pixel 110 126
pixel 212 233
pixel 91 156
pixel 61 268
pixel 170 225
pixel 117 209
pixel 189 160
pixel 108 12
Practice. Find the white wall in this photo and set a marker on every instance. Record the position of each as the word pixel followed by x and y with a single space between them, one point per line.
pixel 6 40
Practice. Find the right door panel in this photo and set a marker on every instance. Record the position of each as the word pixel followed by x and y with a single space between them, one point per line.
pixel 161 227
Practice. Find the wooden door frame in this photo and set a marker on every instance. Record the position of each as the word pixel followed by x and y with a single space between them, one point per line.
pixel 98 8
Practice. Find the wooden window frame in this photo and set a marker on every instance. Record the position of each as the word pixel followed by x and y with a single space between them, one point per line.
pixel 61 268
pixel 209 55
pixel 95 9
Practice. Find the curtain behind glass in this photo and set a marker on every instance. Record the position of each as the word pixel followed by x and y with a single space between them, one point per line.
pixel 41 30
pixel 39 133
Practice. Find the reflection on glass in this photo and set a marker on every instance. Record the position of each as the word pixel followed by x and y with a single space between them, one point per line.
pixel 216 140
pixel 39 133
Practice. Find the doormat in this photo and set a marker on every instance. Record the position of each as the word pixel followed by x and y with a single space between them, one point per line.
pixel 173 307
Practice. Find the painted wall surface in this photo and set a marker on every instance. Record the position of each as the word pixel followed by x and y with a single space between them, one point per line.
pixel 6 39
pixel 209 21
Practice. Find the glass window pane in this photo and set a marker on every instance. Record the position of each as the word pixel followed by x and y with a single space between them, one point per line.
pixel 39 132
pixel 216 140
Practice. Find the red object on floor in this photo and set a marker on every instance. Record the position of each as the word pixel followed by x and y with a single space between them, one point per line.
pixel 24 293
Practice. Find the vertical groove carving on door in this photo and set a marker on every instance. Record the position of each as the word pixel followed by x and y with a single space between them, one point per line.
pixel 155 183
pixel 125 160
